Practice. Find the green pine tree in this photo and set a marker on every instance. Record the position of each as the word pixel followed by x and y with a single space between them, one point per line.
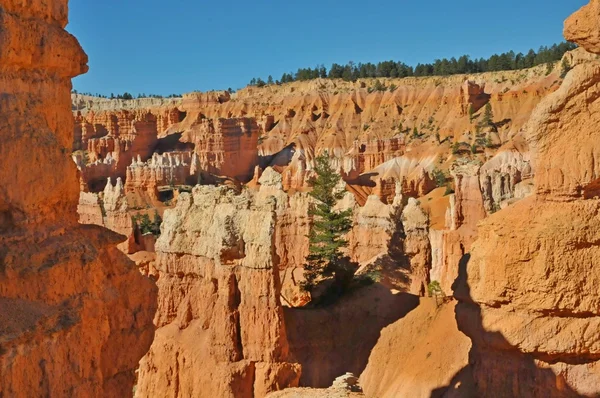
pixel 488 114
pixel 145 224
pixel 326 237
pixel 565 67
pixel 156 223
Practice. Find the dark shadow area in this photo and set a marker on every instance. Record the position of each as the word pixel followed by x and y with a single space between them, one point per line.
pixel 364 180
pixel 496 368
pixel 502 122
pixel 339 338
pixel 272 126
pixel 165 194
pixel 100 130
pixel 97 185
pixel 480 100
pixel 172 143
pixel 278 160
pixel 592 190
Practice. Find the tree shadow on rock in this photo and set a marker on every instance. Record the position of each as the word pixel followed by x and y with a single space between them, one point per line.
pixel 496 368
pixel 339 338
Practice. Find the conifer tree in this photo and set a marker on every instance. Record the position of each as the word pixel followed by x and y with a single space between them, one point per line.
pixel 488 114
pixel 145 224
pixel 156 223
pixel 326 237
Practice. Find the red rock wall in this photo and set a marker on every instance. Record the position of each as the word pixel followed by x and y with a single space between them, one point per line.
pixel 528 291
pixel 226 147
pixel 220 323
pixel 69 300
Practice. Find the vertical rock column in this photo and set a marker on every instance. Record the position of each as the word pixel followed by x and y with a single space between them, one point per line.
pixel 69 300
pixel 529 297
pixel 220 322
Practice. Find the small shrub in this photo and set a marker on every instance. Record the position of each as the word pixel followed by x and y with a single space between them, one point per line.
pixel 435 289
pixel 565 67
pixel 146 226
pixel 378 86
pixel 439 177
pixel 471 113
pixel 455 148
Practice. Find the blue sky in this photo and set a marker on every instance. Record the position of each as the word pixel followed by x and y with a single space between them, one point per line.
pixel 164 47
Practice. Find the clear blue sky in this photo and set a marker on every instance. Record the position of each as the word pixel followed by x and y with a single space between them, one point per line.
pixel 164 47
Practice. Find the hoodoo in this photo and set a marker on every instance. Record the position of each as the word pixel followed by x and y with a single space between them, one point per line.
pixel 368 230
pixel 70 301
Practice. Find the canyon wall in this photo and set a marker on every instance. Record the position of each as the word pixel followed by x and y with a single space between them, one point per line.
pixel 69 300
pixel 421 175
pixel 420 354
pixel 528 291
pixel 221 329
pixel 359 127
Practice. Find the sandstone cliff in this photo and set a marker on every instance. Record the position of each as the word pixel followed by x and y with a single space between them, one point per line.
pixel 69 300
pixel 360 128
pixel 220 323
pixel 528 296
pixel 428 352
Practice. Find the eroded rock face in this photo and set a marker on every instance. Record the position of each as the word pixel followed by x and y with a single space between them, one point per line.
pixel 420 356
pixel 417 247
pixel 69 300
pixel 527 295
pixel 463 214
pixel 291 235
pixel 220 322
pixel 582 27
pixel 505 178
pixel 372 230
pixel 166 170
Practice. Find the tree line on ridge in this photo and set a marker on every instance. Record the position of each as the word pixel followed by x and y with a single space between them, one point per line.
pixel 440 67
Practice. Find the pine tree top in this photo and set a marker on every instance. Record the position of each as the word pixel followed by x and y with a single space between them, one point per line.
pixel 326 181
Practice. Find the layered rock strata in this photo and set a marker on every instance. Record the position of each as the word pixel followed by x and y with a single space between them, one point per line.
pixel 430 356
pixel 69 300
pixel 220 322
pixel 528 296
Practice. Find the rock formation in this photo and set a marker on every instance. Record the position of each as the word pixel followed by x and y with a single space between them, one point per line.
pixel 463 214
pixel 229 261
pixel 529 299
pixel 419 355
pixel 291 235
pixel 417 247
pixel 507 176
pixel 166 170
pixel 226 147
pixel 220 322
pixel 374 225
pixel 69 300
